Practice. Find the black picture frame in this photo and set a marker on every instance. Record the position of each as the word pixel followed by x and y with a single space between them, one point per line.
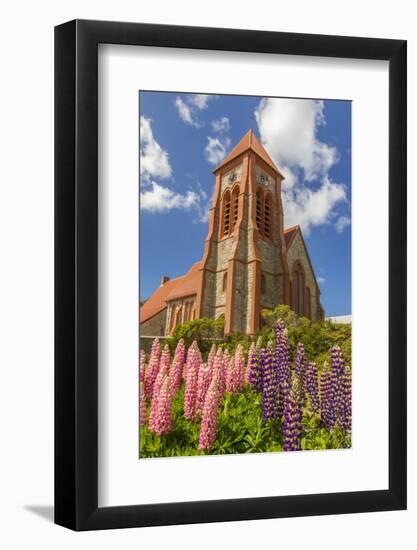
pixel 76 273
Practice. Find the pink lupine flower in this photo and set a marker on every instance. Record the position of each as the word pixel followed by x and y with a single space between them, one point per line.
pixel 175 375
pixel 153 368
pixel 163 372
pixel 193 357
pixel 219 371
pixel 203 383
pixel 190 393
pixel 165 358
pixel 142 396
pixel 177 367
pixel 230 375
pixel 163 413
pixel 239 370
pixel 210 359
pixel 208 432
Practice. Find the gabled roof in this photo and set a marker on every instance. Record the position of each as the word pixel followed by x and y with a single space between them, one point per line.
pixel 250 141
pixel 186 285
pixel 289 234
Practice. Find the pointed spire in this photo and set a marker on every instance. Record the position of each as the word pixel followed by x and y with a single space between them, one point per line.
pixel 250 141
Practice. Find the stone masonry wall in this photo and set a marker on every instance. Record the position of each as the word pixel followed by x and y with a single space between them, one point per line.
pixel 155 326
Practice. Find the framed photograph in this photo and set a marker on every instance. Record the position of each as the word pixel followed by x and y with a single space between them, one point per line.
pixel 230 244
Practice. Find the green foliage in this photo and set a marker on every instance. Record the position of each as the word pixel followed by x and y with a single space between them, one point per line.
pixel 204 331
pixel 317 338
pixel 240 429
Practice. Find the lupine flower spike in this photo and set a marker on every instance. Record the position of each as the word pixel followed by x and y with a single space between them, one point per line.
pixel 208 432
pixel 162 374
pixel 190 392
pixel 291 428
pixel 175 373
pixel 153 367
pixel 326 397
pixel 300 367
pixel 255 369
pixel 312 386
pixel 142 396
pixel 163 414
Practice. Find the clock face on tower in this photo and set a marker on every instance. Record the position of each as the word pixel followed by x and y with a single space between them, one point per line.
pixel 263 178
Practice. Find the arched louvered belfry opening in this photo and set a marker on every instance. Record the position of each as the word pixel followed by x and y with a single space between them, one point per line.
pixel 267 221
pixel 259 210
pixel 234 207
pixel 225 217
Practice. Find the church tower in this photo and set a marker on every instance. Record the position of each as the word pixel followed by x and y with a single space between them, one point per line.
pixel 244 268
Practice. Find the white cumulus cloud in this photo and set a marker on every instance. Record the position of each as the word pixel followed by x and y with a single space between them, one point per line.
pixel 216 149
pixel 341 223
pixel 220 125
pixel 159 198
pixel 188 107
pixel 289 131
pixel 308 207
pixel 321 280
pixel 154 161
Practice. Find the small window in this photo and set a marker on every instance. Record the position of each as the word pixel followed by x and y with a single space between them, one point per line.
pixel 224 286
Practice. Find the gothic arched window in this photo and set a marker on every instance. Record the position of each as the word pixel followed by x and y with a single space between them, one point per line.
pixel 225 225
pixel 300 294
pixel 235 206
pixel 296 287
pixel 301 299
pixel 268 216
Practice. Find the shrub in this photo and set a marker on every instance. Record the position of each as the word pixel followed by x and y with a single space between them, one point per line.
pixel 204 331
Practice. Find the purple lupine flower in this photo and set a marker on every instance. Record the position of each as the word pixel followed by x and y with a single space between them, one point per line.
pixel 337 374
pixel 312 386
pixel 283 358
pixel 291 428
pixel 345 416
pixel 255 370
pixel 269 384
pixel 326 397
pixel 300 367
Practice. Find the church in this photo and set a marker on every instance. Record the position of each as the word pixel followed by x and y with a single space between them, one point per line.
pixel 250 261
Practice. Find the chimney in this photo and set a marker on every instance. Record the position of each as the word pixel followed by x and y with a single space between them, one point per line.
pixel 164 279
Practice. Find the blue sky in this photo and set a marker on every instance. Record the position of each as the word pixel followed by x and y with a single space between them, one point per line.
pixel 183 137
